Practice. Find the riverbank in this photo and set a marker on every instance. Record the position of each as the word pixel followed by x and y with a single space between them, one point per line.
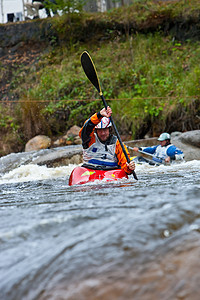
pixel 150 79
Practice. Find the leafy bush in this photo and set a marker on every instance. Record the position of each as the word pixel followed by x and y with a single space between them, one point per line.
pixel 146 78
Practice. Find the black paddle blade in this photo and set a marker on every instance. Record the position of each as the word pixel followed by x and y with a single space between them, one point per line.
pixel 89 69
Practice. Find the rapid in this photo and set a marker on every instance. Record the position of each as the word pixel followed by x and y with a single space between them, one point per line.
pixel 119 240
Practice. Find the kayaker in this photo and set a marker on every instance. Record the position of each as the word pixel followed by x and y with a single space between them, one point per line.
pixel 165 151
pixel 101 149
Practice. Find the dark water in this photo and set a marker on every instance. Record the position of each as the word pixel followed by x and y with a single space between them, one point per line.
pixel 52 236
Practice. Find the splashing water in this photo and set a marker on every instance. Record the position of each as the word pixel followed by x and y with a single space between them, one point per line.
pixel 100 240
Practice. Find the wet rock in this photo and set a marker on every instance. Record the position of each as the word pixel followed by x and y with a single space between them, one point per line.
pixel 70 138
pixel 73 132
pixel 188 142
pixel 59 142
pixel 73 135
pixel 69 142
pixel 53 157
pixel 191 138
pixel 77 140
pixel 60 156
pixel 175 134
pixel 37 143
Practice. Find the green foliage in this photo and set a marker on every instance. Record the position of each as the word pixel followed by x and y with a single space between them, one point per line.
pixel 144 77
pixel 7 120
pixel 65 6
pixel 160 75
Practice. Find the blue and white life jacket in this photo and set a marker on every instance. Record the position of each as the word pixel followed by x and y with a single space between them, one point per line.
pixel 169 150
pixel 161 152
pixel 101 155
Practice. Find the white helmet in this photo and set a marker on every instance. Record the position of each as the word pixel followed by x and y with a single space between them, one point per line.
pixel 164 136
pixel 105 123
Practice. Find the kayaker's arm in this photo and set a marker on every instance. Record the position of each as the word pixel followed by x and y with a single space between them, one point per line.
pixel 175 153
pixel 150 150
pixel 87 131
pixel 122 162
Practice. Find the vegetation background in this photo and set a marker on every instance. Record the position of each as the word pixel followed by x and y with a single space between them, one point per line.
pixel 147 57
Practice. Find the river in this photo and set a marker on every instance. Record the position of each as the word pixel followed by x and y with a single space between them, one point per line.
pixel 121 240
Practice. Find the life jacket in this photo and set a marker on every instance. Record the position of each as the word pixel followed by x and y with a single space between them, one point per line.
pixel 161 152
pixel 100 155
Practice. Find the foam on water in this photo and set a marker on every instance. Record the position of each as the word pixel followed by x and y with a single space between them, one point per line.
pixel 32 172
pixel 176 167
pixel 25 229
pixel 51 233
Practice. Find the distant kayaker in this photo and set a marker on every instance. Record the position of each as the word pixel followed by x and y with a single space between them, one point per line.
pixel 165 151
pixel 101 149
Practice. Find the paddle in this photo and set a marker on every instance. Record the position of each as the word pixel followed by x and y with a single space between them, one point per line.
pixel 157 160
pixel 91 73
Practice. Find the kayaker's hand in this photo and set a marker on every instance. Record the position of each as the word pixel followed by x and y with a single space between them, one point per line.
pixel 106 112
pixel 135 149
pixel 131 165
pixel 167 159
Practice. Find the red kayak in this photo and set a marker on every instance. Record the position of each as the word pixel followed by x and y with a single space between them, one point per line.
pixel 81 175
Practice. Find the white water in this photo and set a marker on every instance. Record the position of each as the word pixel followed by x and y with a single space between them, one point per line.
pixel 53 236
pixel 32 172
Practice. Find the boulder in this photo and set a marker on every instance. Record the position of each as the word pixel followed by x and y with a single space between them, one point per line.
pixel 37 143
pixel 70 138
pixel 188 142
pixel 63 156
pixel 59 142
pixel 72 132
pixel 77 140
pixel 191 138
